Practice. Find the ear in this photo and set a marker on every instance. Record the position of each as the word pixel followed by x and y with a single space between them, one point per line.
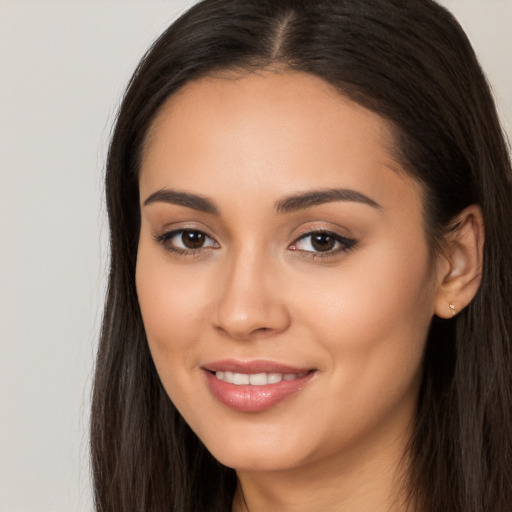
pixel 460 270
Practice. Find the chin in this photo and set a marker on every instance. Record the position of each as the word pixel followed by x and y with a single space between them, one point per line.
pixel 253 460
pixel 257 453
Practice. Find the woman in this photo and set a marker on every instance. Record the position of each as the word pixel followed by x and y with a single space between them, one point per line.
pixel 302 312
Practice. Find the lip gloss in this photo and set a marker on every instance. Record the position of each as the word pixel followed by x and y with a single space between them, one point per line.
pixel 254 398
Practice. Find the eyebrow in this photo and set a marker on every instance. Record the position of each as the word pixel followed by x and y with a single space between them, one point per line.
pixel 286 205
pixel 317 197
pixel 193 201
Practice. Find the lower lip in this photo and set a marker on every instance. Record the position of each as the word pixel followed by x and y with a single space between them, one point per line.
pixel 247 398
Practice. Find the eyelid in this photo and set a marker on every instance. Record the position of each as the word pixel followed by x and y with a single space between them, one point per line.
pixel 345 243
pixel 342 243
pixel 165 240
pixel 169 229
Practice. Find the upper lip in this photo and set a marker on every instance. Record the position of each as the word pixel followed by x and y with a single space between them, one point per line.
pixel 252 367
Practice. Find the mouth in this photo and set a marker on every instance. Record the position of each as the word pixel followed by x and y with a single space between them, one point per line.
pixel 254 386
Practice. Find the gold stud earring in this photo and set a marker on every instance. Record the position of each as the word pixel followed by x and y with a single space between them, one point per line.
pixel 454 310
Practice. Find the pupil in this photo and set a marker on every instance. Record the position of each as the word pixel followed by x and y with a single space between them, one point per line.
pixel 323 242
pixel 192 239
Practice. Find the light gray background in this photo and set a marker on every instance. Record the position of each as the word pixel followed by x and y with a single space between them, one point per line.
pixel 63 67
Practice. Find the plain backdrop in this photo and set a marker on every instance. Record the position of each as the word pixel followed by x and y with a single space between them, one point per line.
pixel 63 68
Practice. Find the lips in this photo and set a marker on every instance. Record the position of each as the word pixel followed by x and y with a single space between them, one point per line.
pixel 254 386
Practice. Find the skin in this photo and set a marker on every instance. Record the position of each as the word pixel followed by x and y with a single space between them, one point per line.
pixel 257 290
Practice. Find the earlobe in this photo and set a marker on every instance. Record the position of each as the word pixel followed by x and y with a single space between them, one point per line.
pixel 462 270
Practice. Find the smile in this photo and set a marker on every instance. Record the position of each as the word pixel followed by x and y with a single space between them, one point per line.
pixel 256 379
pixel 254 386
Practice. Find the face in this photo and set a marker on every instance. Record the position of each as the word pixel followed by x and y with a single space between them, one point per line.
pixel 283 272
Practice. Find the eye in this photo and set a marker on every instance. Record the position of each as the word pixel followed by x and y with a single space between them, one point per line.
pixel 186 240
pixel 322 243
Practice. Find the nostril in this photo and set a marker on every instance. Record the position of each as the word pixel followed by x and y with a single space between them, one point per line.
pixel 244 334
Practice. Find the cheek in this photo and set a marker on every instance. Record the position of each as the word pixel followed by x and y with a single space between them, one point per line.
pixel 375 292
pixel 371 319
pixel 173 307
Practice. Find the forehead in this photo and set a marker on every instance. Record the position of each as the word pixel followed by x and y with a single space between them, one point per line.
pixel 274 132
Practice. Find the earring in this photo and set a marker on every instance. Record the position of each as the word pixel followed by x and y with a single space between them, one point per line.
pixel 454 310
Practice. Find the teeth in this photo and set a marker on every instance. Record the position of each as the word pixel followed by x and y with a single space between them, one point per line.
pixel 256 379
pixel 240 379
pixel 274 378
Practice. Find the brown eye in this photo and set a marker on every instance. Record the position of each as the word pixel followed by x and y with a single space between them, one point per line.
pixel 322 242
pixel 186 241
pixel 193 239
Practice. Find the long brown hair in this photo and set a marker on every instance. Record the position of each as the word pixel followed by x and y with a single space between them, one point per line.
pixel 409 61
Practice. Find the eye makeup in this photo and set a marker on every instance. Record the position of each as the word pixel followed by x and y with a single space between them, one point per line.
pixel 318 243
pixel 186 241
pixel 322 243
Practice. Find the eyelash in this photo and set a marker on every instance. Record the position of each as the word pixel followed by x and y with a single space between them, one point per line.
pixel 165 240
pixel 344 244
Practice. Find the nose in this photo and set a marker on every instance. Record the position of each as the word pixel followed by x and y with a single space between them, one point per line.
pixel 251 300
